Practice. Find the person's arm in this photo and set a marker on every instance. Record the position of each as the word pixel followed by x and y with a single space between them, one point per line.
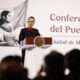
pixel 8 29
pixel 38 34
pixel 21 37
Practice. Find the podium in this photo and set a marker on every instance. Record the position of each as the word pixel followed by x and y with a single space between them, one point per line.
pixel 33 42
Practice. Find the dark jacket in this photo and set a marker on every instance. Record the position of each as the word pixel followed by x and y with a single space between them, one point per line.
pixel 28 33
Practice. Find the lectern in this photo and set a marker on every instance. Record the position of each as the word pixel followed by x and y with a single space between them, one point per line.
pixel 33 42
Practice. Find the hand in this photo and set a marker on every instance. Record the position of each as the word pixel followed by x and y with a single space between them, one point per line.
pixel 21 42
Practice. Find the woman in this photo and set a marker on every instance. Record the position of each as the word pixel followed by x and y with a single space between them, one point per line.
pixel 7 37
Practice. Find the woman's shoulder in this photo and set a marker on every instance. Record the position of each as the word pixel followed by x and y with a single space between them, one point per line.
pixel 6 28
pixel 35 29
pixel 24 29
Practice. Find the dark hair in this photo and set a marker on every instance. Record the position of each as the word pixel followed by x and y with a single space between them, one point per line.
pixel 13 72
pixel 54 64
pixel 12 58
pixel 73 59
pixel 3 14
pixel 32 18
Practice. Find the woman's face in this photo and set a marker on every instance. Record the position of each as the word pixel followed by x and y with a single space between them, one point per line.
pixel 30 22
pixel 9 18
